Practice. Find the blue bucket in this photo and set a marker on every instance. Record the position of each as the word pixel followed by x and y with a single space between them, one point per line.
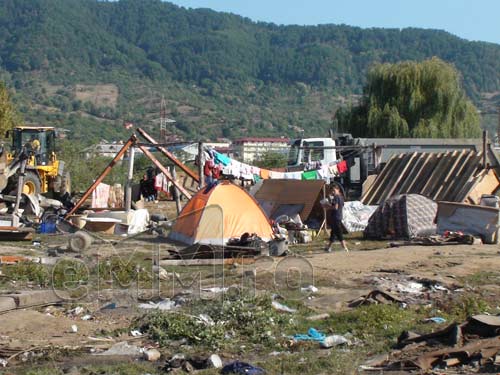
pixel 48 227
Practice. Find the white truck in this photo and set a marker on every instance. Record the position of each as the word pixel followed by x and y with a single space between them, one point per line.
pixel 305 151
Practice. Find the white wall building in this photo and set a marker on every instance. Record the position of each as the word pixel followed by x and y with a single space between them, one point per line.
pixel 250 149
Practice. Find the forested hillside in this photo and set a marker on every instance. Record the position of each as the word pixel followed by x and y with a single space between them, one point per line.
pixel 89 65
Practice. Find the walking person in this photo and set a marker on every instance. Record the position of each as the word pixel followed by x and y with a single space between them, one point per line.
pixel 336 207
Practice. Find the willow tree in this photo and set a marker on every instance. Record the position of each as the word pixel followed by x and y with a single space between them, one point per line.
pixel 413 99
pixel 8 115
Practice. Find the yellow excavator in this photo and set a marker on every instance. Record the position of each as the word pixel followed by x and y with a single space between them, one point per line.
pixel 44 172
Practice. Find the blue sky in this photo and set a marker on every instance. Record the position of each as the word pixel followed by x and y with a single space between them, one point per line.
pixel 469 19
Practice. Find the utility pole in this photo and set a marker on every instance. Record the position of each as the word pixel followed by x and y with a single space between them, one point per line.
pixel 163 120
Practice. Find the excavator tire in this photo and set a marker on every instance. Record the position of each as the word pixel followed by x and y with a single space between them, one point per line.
pixel 31 184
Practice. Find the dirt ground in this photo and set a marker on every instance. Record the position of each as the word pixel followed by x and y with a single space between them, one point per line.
pixel 339 276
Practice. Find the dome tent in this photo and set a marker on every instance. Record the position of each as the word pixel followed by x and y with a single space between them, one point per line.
pixel 217 213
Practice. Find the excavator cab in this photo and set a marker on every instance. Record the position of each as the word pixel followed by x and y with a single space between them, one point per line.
pixel 39 142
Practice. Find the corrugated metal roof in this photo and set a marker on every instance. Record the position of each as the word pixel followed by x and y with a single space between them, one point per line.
pixel 448 176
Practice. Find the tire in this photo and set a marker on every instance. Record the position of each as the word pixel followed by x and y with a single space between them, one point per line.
pixel 31 184
pixel 79 241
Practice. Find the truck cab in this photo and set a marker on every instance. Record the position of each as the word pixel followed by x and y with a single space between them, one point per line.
pixel 306 151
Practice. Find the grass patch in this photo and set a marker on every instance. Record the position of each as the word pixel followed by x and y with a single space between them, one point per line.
pixel 129 368
pixel 246 321
pixel 482 278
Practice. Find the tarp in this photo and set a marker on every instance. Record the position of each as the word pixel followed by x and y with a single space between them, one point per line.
pixel 404 216
pixel 214 215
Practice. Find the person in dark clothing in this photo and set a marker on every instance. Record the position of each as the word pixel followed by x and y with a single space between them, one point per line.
pixel 336 207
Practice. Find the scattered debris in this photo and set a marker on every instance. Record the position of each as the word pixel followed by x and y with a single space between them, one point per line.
pixel 435 319
pixel 477 339
pixel 309 289
pixel 242 368
pixel 124 349
pixel 333 340
pixel 152 355
pixel 283 308
pixel 376 297
pixel 317 317
pixel 312 335
pixel 214 361
pixel 165 304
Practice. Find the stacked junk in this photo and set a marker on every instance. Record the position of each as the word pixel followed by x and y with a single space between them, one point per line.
pixel 219 221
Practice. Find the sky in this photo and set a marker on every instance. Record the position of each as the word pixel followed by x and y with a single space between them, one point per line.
pixel 468 19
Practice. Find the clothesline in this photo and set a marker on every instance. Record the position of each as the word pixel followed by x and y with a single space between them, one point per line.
pixel 232 167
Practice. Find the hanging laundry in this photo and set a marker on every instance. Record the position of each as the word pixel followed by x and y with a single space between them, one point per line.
pixel 277 175
pixel 255 170
pixel 221 159
pixel 310 175
pixel 162 183
pixel 264 173
pixel 100 196
pixel 323 174
pixel 333 171
pixel 293 176
pixel 216 171
pixel 342 167
pixel 246 172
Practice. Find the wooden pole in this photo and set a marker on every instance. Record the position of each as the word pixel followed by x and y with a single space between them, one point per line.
pixel 485 141
pixel 201 164
pixel 164 170
pixel 177 195
pixel 130 177
pixel 323 224
pixel 104 173
pixel 169 155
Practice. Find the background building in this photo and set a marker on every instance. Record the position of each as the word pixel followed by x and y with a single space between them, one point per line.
pixel 252 148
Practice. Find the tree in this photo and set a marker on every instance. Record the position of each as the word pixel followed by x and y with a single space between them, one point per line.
pixel 413 99
pixel 8 115
pixel 271 159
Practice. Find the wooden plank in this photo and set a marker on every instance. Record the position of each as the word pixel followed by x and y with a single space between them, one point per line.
pixel 103 174
pixel 206 262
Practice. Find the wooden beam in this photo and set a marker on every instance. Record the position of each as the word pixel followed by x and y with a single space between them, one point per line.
pixel 164 170
pixel 169 155
pixel 103 174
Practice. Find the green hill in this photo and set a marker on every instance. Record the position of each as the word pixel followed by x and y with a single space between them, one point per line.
pixel 89 65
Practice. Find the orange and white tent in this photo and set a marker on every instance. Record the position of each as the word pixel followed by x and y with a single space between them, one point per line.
pixel 214 216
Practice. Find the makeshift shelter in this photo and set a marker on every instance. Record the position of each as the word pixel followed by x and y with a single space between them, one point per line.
pixel 404 217
pixel 456 176
pixel 218 213
pixel 290 197
pixel 475 220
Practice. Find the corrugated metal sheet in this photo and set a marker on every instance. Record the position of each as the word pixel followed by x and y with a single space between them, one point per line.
pixel 445 176
pixel 274 193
